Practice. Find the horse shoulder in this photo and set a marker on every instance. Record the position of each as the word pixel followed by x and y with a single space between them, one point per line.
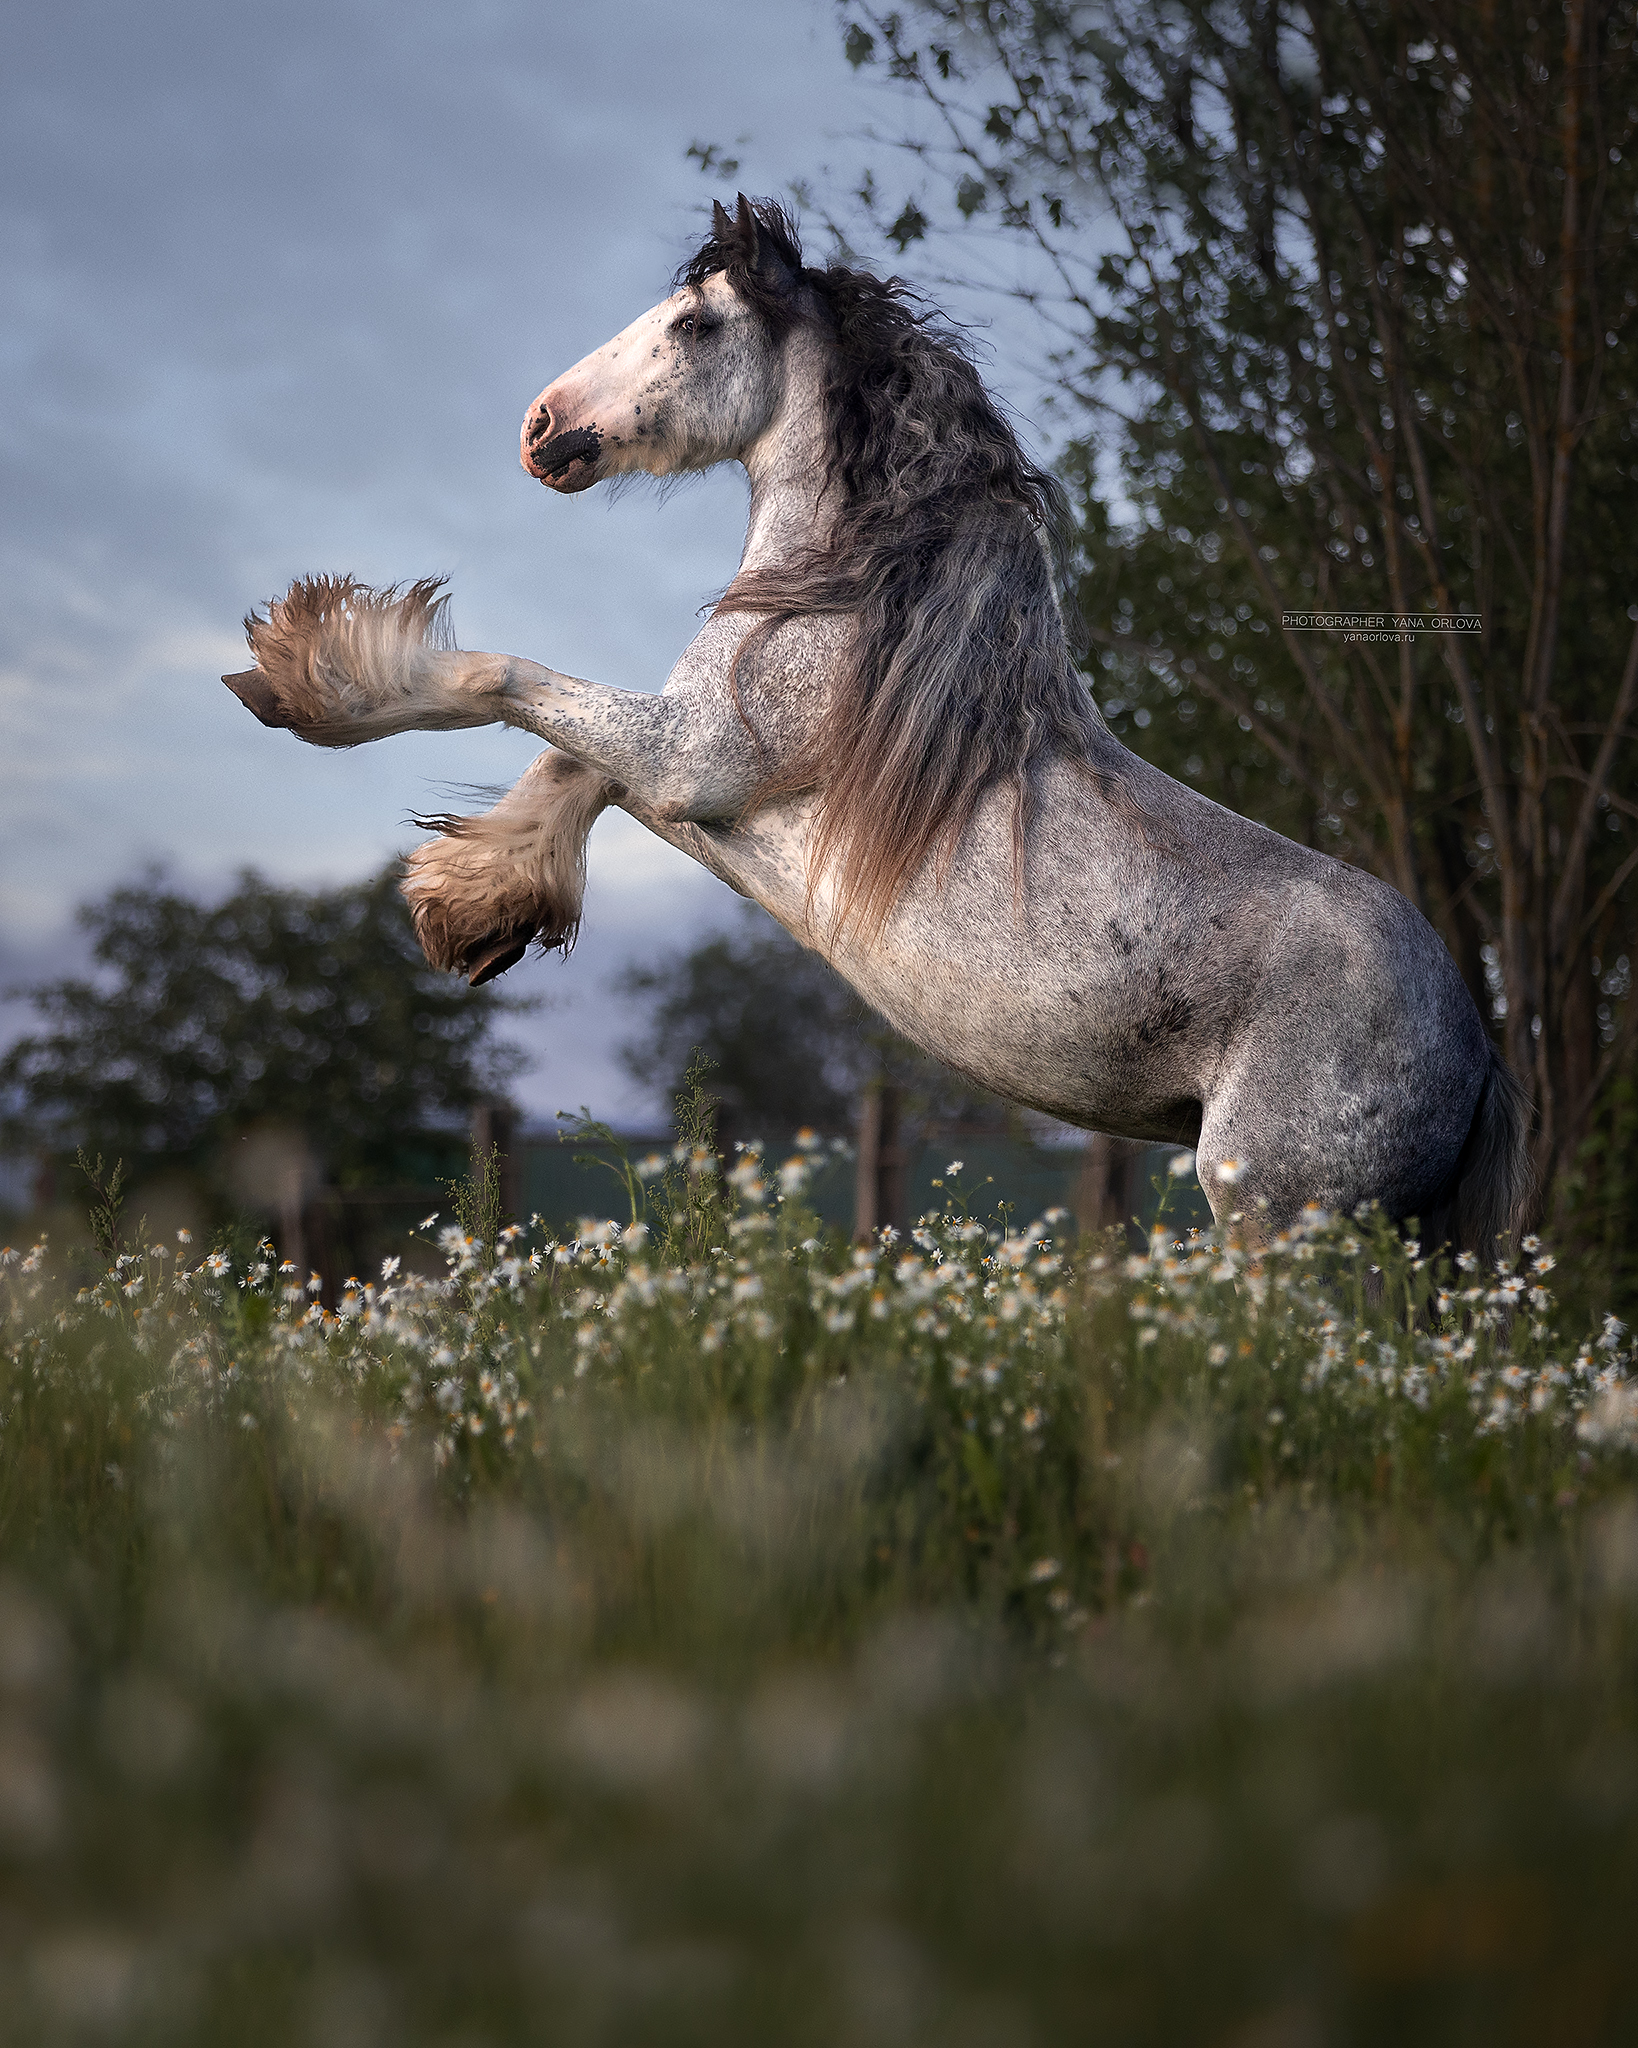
pixel 776 681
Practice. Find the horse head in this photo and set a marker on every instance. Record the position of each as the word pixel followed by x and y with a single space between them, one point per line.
pixel 694 381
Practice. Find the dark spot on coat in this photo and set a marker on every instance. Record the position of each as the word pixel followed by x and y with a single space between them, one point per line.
pixel 1171 1013
pixel 1123 940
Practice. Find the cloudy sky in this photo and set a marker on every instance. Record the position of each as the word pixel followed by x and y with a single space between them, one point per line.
pixel 280 281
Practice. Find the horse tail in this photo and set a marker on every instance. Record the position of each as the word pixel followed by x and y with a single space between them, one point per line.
pixel 1492 1189
pixel 489 887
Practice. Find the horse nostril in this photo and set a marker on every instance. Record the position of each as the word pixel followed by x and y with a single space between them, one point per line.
pixel 541 430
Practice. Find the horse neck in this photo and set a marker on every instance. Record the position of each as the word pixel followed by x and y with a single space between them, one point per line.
pixel 788 466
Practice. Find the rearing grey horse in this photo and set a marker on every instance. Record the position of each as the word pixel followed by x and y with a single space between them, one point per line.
pixel 881 737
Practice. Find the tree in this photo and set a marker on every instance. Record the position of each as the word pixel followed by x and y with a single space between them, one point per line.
pixel 783 1033
pixel 315 1010
pixel 1346 294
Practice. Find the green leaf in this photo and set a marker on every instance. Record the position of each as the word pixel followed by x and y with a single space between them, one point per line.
pixel 711 159
pixel 910 226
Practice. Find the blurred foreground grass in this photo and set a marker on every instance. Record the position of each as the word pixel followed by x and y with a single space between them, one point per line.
pixel 705 1633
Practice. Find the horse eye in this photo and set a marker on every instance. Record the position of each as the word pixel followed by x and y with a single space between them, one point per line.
pixel 686 324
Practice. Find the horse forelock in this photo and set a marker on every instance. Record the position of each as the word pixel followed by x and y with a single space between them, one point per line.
pixel 944 546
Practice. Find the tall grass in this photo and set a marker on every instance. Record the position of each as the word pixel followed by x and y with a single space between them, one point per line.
pixel 706 1631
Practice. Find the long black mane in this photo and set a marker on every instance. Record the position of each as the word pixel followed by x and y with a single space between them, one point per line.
pixel 944 548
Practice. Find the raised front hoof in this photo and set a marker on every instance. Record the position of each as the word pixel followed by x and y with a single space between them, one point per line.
pixel 254 690
pixel 496 959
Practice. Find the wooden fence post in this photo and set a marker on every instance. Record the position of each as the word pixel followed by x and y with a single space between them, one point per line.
pixel 1106 1194
pixel 881 1183
pixel 494 1125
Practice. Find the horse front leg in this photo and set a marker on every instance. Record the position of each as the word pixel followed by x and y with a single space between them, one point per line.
pixel 339 664
pixel 489 887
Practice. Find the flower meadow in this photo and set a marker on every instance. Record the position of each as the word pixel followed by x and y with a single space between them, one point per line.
pixel 703 1629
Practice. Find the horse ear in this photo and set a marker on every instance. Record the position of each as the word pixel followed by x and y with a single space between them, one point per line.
pixel 758 251
pixel 721 226
pixel 745 233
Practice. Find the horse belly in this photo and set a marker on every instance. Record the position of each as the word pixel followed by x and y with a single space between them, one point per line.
pixel 1058 1037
